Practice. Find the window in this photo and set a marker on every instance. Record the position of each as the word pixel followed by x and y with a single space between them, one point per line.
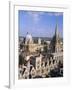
pixel 49 62
pixel 53 61
pixel 42 71
pixel 42 64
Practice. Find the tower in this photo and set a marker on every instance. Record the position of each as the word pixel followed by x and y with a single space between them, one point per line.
pixel 29 42
pixel 55 42
pixel 39 41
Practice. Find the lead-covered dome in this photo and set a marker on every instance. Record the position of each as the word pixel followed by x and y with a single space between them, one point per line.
pixel 28 39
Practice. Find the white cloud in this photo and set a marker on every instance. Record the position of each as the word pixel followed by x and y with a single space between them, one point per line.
pixel 58 14
pixel 35 15
pixel 55 13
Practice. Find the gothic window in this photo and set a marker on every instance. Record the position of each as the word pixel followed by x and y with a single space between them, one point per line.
pixel 49 62
pixel 53 61
pixel 42 71
pixel 42 64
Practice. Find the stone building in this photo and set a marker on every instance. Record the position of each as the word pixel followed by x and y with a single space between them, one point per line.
pixel 33 72
pixel 40 64
pixel 30 46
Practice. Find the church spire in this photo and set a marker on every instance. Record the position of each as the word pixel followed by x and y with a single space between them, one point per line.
pixel 56 31
pixel 57 38
pixel 55 42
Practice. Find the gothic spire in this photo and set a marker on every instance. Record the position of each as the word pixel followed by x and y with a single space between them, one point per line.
pixel 56 30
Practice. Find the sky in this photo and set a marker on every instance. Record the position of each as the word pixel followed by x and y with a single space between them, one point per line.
pixel 39 24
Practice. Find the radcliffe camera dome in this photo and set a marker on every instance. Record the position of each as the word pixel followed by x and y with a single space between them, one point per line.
pixel 28 39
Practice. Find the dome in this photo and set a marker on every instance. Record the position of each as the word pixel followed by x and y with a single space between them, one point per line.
pixel 29 39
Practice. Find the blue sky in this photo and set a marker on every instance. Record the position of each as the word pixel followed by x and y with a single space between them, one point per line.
pixel 39 24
